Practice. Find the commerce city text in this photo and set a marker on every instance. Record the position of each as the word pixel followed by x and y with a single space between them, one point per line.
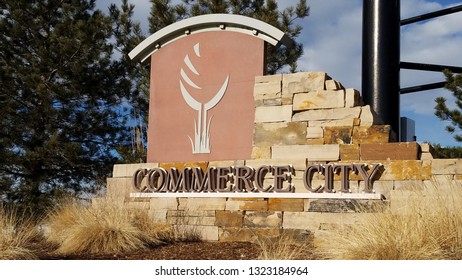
pixel 245 179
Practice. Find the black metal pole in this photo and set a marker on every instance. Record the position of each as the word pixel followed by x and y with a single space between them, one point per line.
pixel 380 58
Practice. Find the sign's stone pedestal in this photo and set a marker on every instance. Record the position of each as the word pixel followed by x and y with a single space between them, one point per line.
pixel 300 119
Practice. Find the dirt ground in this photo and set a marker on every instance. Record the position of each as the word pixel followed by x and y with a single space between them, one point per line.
pixel 176 251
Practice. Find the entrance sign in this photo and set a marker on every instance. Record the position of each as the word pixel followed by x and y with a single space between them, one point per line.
pixel 203 71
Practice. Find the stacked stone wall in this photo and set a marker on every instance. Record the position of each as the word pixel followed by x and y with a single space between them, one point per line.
pixel 301 119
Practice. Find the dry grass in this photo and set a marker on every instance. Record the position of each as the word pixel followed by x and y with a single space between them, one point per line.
pixel 17 234
pixel 106 227
pixel 429 227
pixel 284 247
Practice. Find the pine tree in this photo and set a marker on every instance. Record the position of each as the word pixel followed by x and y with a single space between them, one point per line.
pixel 442 111
pixel 62 99
pixel 163 13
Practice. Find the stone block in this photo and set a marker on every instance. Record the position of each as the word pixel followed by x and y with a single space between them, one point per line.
pixel 181 165
pixel 409 185
pixel 285 204
pixel 381 187
pixel 260 152
pixel 390 151
pixel 206 233
pixel 319 100
pixel 199 203
pixel 267 90
pixel 352 98
pixel 400 170
pixel 119 187
pixel 226 163
pixel 243 204
pixel 302 82
pixel 242 234
pixel 187 220
pixel 164 203
pixel 327 114
pixel 372 134
pixel 333 85
pixel 194 213
pixel 127 170
pixel 314 221
pixel 298 163
pixel 344 205
pixel 158 216
pixel 273 114
pixel 349 152
pixel 313 132
pixel 229 218
pixel 332 123
pixel 287 133
pixel 260 219
pixel 316 141
pixel 446 166
pixel 369 117
pixel 338 135
pixel 311 152
pixel 276 78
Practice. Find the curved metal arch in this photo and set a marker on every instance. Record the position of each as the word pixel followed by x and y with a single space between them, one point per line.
pixel 205 23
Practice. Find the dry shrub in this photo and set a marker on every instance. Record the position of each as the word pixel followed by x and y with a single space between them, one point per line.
pixel 18 232
pixel 106 227
pixel 429 227
pixel 284 247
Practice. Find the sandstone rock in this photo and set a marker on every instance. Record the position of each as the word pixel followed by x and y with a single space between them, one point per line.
pixel 314 132
pixel 127 170
pixel 369 117
pixel 446 166
pixel 332 123
pixel 349 152
pixel 253 204
pixel 164 203
pixel 289 133
pixel 319 100
pixel 333 85
pixel 327 114
pixel 158 216
pixel 265 219
pixel 390 151
pixel 352 98
pixel 199 203
pixel 242 234
pixel 260 152
pixel 181 165
pixel 285 204
pixel 311 152
pixel 273 114
pixel 373 134
pixel 297 163
pixel 119 187
pixel 301 82
pixel 229 218
pixel 338 135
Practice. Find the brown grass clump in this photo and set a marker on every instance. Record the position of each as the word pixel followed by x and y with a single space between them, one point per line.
pixel 106 227
pixel 284 247
pixel 429 227
pixel 17 233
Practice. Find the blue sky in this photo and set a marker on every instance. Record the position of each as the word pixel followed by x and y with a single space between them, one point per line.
pixel 332 43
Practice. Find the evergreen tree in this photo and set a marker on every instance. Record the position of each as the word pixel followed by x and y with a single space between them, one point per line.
pixel 442 111
pixel 163 13
pixel 61 96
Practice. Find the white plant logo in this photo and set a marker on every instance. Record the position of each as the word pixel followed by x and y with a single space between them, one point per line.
pixel 201 143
